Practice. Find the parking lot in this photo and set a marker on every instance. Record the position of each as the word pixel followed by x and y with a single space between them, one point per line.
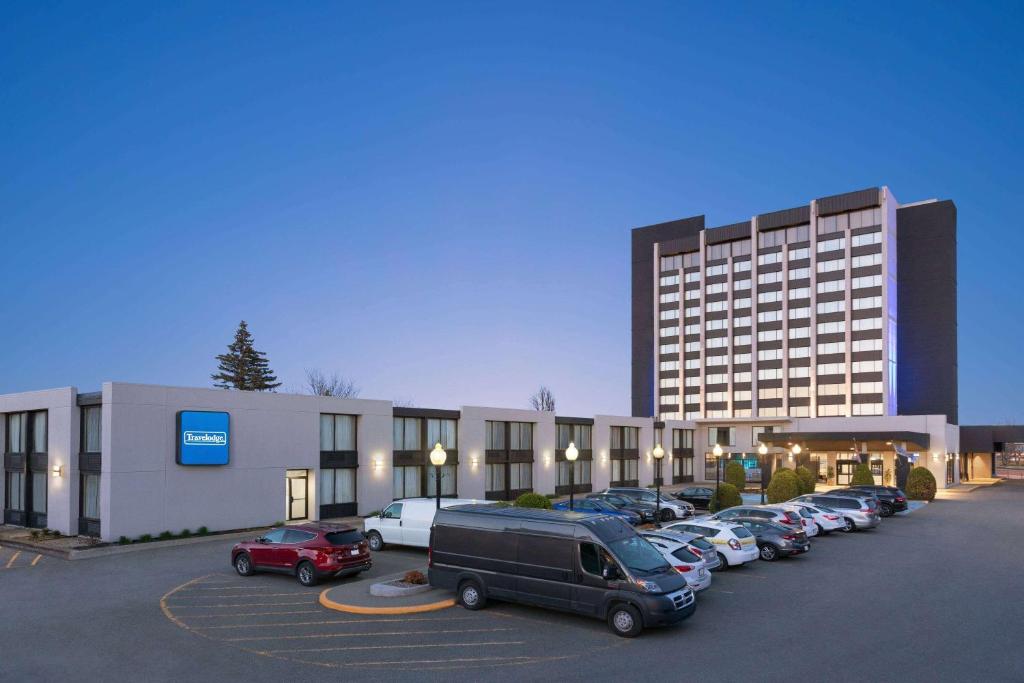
pixel 930 596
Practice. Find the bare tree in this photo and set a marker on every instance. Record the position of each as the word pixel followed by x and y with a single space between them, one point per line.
pixel 403 403
pixel 319 384
pixel 543 400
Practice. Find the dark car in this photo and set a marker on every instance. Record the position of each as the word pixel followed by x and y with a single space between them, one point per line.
pixel 698 496
pixel 645 510
pixel 594 565
pixel 774 540
pixel 890 499
pixel 310 552
pixel 593 506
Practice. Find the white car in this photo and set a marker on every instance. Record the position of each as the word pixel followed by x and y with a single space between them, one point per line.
pixel 691 566
pixel 826 520
pixel 407 521
pixel 734 544
pixel 807 522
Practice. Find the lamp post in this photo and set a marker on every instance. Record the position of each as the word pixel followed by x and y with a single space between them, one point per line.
pixel 717 452
pixel 437 459
pixel 658 454
pixel 762 451
pixel 570 455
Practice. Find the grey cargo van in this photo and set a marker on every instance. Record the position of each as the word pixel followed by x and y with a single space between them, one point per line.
pixel 595 565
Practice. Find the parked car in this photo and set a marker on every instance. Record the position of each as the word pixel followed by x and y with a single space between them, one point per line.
pixel 593 506
pixel 775 540
pixel 310 552
pixel 806 518
pixel 407 521
pixel 826 519
pixel 671 508
pixel 858 513
pixel 698 496
pixel 645 510
pixel 699 544
pixel 890 499
pixel 734 544
pixel 595 565
pixel 683 560
pixel 768 512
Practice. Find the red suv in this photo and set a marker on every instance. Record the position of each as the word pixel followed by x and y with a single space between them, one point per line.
pixel 309 551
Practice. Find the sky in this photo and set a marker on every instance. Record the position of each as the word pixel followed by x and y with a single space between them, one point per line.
pixel 435 199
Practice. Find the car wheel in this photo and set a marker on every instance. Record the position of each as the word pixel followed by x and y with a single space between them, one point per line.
pixel 821 529
pixel 769 553
pixel 848 525
pixel 724 563
pixel 625 621
pixel 887 510
pixel 375 541
pixel 243 565
pixel 667 515
pixel 306 574
pixel 471 596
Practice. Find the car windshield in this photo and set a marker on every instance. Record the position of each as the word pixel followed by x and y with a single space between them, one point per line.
pixel 702 544
pixel 348 537
pixel 639 556
pixel 684 555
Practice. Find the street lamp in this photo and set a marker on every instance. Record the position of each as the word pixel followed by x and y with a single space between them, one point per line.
pixel 795 451
pixel 762 451
pixel 717 452
pixel 571 453
pixel 658 454
pixel 437 458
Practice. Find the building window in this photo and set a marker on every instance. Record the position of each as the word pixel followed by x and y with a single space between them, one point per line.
pixel 682 438
pixel 798 233
pixel 769 316
pixel 672 262
pixel 797 254
pixel 581 473
pixel 769 278
pixel 625 438
pixel 867 408
pixel 800 293
pixel 866 281
pixel 831 411
pixel 867 366
pixel 771 238
pixel 799 372
pixel 625 472
pixel 92 425
pixel 831 286
pixel 337 485
pixel 831 245
pixel 723 436
pixel 448 480
pixel 831 347
pixel 669 280
pixel 866 302
pixel 866 239
pixel 799 273
pixel 866 260
pixel 407 433
pixel 14 498
pixel 867 345
pixel 691 260
pixel 90 496
pixel 672 314
pixel 834 327
pixel 668 365
pixel 337 432
pixel 443 431
pixel 741 266
pixel 867 324
pixel 771 257
pixel 743 302
pixel 720 269
pixel 669 297
pixel 407 482
pixel 577 434
pixel 741 284
pixel 757 430
pixel 669 332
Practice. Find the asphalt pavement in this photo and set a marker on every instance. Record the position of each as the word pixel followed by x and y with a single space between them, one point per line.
pixel 931 596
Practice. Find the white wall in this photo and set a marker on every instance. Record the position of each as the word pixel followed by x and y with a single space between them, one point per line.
pixel 602 436
pixel 143 490
pixel 473 442
pixel 62 450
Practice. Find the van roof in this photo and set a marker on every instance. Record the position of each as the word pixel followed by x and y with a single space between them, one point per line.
pixel 605 527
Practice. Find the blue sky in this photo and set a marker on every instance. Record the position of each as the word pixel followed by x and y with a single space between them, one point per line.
pixel 435 199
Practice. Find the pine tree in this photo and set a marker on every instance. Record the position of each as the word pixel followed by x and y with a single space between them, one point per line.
pixel 243 367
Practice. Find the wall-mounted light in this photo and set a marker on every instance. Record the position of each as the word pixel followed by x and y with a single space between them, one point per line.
pixel 378 463
pixel 57 471
pixel 475 461
pixel 935 456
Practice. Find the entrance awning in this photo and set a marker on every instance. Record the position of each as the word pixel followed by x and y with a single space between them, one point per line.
pixel 844 441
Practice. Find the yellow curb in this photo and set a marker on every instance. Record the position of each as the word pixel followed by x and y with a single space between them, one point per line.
pixel 357 609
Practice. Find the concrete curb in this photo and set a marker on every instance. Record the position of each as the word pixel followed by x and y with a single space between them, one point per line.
pixel 106 551
pixel 409 609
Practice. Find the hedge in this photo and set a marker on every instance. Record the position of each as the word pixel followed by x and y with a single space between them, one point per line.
pixel 736 475
pixel 533 500
pixel 783 486
pixel 921 484
pixel 806 478
pixel 862 476
pixel 727 496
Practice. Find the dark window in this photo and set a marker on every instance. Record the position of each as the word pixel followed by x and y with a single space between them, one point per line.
pixel 590 558
pixel 349 537
pixel 742 533
pixel 684 555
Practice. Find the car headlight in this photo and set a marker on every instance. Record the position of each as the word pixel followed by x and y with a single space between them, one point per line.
pixel 648 586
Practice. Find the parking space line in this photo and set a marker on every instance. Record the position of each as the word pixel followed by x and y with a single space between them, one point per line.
pixel 362 635
pixel 521 658
pixel 719 590
pixel 247 604
pixel 13 558
pixel 36 559
pixel 246 595
pixel 329 621
pixel 401 647
pixel 252 614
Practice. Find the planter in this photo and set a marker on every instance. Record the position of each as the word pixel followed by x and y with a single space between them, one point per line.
pixel 397 589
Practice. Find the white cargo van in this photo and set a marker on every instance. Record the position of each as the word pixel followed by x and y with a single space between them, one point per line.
pixel 408 521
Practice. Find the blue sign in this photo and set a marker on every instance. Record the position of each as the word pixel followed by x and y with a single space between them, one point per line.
pixel 203 438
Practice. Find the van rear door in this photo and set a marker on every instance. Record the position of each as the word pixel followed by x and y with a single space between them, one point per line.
pixel 545 560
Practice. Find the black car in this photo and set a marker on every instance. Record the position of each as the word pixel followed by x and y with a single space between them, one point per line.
pixel 698 496
pixel 890 499
pixel 774 540
pixel 645 510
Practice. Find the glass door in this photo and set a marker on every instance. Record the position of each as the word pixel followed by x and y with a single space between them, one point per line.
pixel 844 472
pixel 297 499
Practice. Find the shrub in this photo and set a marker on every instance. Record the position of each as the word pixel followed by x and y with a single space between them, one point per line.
pixel 921 484
pixel 533 500
pixel 736 475
pixel 783 486
pixel 145 538
pixel 202 531
pixel 806 479
pixel 35 533
pixel 185 533
pixel 862 476
pixel 727 496
pixel 166 535
pixel 414 577
pixel 124 540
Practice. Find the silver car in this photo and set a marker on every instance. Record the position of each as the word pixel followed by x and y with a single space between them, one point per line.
pixel 858 512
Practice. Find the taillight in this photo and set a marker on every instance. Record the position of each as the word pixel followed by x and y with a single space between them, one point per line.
pixel 698 553
pixel 683 568
pixel 901 499
pixel 867 509
pixel 734 544
pixel 789 537
pixel 832 517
